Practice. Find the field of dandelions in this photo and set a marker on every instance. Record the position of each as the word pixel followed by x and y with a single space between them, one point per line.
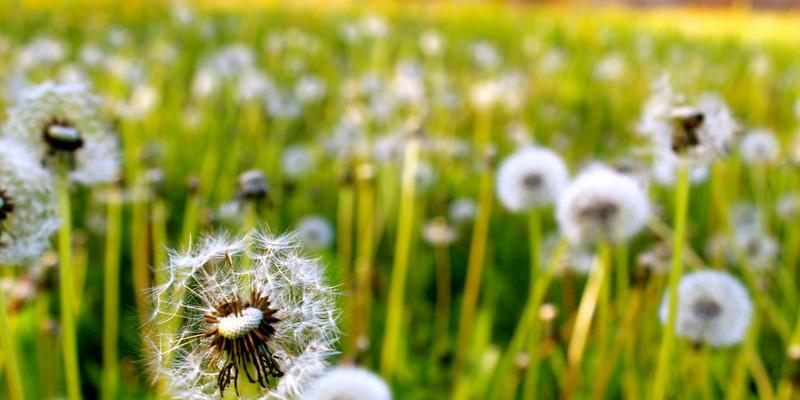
pixel 463 202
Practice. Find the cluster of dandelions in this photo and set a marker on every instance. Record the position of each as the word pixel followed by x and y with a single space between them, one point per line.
pixel 248 309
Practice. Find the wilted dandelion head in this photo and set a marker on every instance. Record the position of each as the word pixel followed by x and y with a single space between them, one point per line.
pixel 28 215
pixel 60 123
pixel 349 383
pixel 315 232
pixel 247 310
pixel 602 205
pixel 530 178
pixel 760 146
pixel 713 308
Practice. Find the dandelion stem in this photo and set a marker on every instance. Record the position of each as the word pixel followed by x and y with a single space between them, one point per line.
pixel 66 292
pixel 364 258
pixel 583 319
pixel 111 295
pixel 443 299
pixel 477 249
pixel 405 225
pixel 535 243
pixel 668 340
pixel 344 250
pixel 15 391
pixel 529 314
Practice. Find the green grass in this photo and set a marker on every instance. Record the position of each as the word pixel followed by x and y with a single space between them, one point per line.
pixel 379 259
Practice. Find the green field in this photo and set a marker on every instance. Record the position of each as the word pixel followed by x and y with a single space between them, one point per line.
pixel 381 120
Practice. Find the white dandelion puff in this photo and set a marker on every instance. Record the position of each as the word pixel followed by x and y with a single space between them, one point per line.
pixel 713 308
pixel 349 383
pixel 28 215
pixel 531 177
pixel 462 210
pixel 602 204
pixel 297 161
pixel 315 232
pixel 61 122
pixel 760 146
pixel 232 311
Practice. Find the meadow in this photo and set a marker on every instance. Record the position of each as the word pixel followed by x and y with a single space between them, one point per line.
pixel 472 201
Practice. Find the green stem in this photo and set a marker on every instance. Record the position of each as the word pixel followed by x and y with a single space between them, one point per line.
pixel 475 262
pixel 9 352
pixel 535 243
pixel 405 226
pixel 111 296
pixel 592 295
pixel 668 341
pixel 66 293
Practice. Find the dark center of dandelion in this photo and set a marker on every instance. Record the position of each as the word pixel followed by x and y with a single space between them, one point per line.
pixel 532 181
pixel 706 308
pixel 684 132
pixel 6 205
pixel 61 135
pixel 242 332
pixel 602 211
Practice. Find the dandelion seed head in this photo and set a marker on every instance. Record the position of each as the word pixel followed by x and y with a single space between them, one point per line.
pixel 713 308
pixel 280 300
pixel 601 204
pixel 315 232
pixel 62 122
pixel 28 214
pixel 760 146
pixel 351 383
pixel 531 177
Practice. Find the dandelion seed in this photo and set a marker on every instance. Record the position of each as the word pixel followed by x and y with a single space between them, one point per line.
pixel 28 214
pixel 530 178
pixel 601 204
pixel 349 383
pixel 713 308
pixel 60 124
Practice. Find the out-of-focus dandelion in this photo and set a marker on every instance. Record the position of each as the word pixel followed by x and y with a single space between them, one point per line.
pixel 530 178
pixel 438 233
pixel 462 210
pixel 602 205
pixel 217 323
pixel 759 146
pixel 297 161
pixel 714 308
pixel 315 232
pixel 61 126
pixel 348 383
pixel 28 213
